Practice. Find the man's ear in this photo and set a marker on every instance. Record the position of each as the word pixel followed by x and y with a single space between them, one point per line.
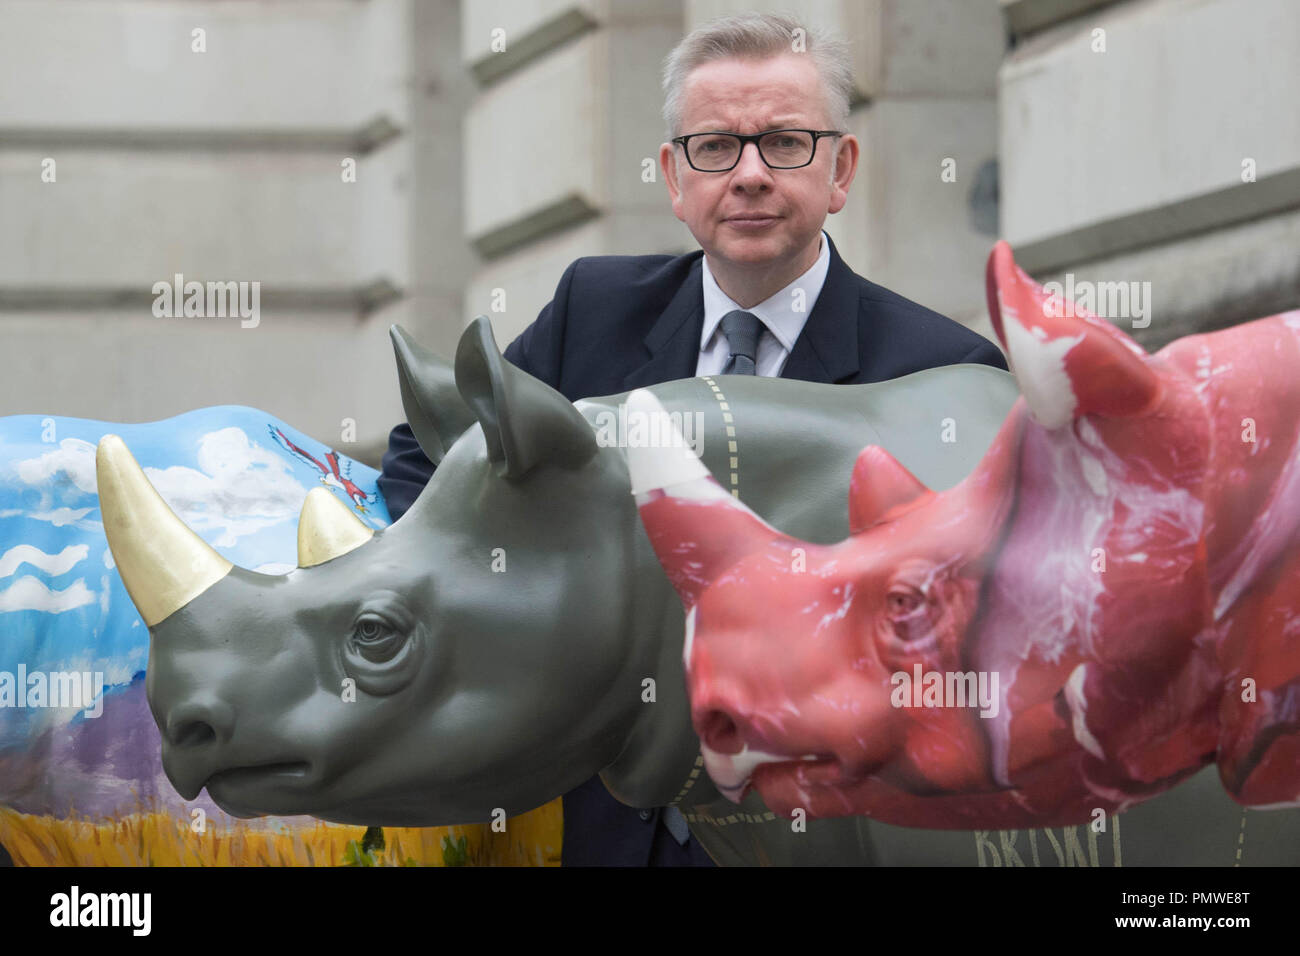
pixel 846 167
pixel 434 409
pixel 526 422
pixel 668 163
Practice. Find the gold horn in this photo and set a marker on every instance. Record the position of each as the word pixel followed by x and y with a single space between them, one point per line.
pixel 327 529
pixel 163 564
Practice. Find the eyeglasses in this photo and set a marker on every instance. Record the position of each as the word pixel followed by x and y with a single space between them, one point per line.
pixel 779 148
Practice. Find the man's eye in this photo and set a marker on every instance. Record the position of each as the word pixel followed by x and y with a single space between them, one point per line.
pixel 370 630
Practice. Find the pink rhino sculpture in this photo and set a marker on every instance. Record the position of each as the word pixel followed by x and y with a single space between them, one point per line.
pixel 1107 603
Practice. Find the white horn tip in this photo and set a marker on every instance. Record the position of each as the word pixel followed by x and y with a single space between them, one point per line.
pixel 664 458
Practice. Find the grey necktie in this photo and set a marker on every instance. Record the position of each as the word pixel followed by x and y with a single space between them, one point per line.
pixel 742 330
pixel 676 824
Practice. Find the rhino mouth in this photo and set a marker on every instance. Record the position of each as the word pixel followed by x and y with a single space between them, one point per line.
pixel 823 771
pixel 735 775
pixel 238 778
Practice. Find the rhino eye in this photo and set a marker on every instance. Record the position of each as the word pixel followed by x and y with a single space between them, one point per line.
pixel 375 640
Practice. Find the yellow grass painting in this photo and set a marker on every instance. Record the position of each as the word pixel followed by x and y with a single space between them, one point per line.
pixel 152 838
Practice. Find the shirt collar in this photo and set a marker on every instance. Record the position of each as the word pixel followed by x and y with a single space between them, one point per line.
pixel 776 312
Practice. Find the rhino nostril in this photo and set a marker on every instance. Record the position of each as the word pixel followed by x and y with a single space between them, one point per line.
pixel 200 723
pixel 720 734
pixel 194 733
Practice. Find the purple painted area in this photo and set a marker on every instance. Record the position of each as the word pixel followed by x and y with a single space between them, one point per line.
pixel 96 767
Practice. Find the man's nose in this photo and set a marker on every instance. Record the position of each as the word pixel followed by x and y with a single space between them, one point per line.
pixel 750 172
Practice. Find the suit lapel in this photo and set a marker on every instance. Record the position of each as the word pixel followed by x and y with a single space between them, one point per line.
pixel 674 340
pixel 827 348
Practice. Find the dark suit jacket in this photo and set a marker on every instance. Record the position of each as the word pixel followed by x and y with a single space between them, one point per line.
pixel 619 322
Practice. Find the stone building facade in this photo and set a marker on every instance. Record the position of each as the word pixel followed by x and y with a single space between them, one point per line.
pixel 423 161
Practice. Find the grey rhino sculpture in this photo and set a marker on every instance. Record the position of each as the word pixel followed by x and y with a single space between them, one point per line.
pixel 513 633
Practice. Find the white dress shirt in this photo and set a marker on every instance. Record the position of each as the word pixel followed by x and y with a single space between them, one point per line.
pixel 783 316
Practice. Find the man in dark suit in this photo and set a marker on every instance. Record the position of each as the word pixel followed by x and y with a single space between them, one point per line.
pixel 767 294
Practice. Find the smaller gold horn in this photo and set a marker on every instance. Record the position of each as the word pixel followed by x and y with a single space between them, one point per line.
pixel 163 564
pixel 327 529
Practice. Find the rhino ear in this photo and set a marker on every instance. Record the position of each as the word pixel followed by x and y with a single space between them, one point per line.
pixel 434 409
pixel 1067 361
pixel 525 421
pixel 881 489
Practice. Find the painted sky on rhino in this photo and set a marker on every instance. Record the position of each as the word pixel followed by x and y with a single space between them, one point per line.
pixel 226 472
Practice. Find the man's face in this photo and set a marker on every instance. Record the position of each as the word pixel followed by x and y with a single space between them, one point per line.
pixel 749 96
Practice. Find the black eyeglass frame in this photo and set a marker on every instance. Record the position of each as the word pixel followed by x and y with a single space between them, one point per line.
pixel 754 138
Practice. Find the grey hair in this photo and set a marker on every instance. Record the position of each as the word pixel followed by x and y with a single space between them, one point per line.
pixel 759 36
